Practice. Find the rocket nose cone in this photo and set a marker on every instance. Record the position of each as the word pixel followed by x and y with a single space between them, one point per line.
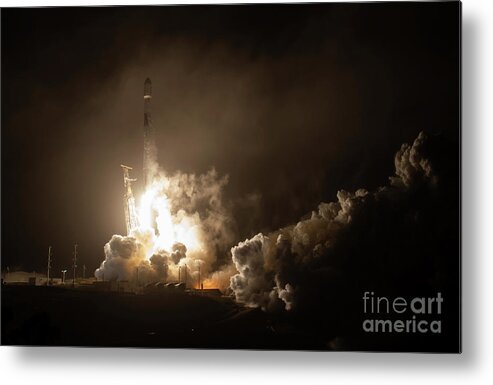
pixel 147 87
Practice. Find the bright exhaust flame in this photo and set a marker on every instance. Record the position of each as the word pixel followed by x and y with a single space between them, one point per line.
pixel 155 215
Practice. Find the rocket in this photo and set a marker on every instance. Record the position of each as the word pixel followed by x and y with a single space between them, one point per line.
pixel 150 150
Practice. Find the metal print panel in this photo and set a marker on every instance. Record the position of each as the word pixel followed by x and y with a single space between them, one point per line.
pixel 238 176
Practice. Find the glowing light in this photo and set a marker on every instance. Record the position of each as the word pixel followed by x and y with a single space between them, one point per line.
pixel 155 213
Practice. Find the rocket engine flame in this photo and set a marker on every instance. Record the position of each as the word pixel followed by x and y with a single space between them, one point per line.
pixel 155 208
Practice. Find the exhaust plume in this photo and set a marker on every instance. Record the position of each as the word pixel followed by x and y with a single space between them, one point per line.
pixel 363 239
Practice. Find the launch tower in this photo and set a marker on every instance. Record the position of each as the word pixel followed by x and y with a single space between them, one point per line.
pixel 131 218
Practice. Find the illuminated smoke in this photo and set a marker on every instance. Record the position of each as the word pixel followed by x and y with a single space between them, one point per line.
pixel 281 269
pixel 340 241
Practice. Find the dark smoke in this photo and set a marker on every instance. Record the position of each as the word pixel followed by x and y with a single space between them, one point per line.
pixel 179 252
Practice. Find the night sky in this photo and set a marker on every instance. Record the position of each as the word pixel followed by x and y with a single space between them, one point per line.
pixel 293 102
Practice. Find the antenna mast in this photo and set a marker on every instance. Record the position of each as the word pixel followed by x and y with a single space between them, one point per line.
pixel 74 266
pixel 49 267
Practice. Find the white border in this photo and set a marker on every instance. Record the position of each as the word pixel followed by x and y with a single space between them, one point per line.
pixel 139 366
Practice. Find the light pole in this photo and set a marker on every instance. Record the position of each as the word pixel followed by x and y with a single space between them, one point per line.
pixel 63 275
pixel 74 266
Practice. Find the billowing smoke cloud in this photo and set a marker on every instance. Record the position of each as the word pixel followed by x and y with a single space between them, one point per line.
pixel 411 166
pixel 202 196
pixel 365 240
pixel 185 227
pixel 179 252
pixel 124 254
